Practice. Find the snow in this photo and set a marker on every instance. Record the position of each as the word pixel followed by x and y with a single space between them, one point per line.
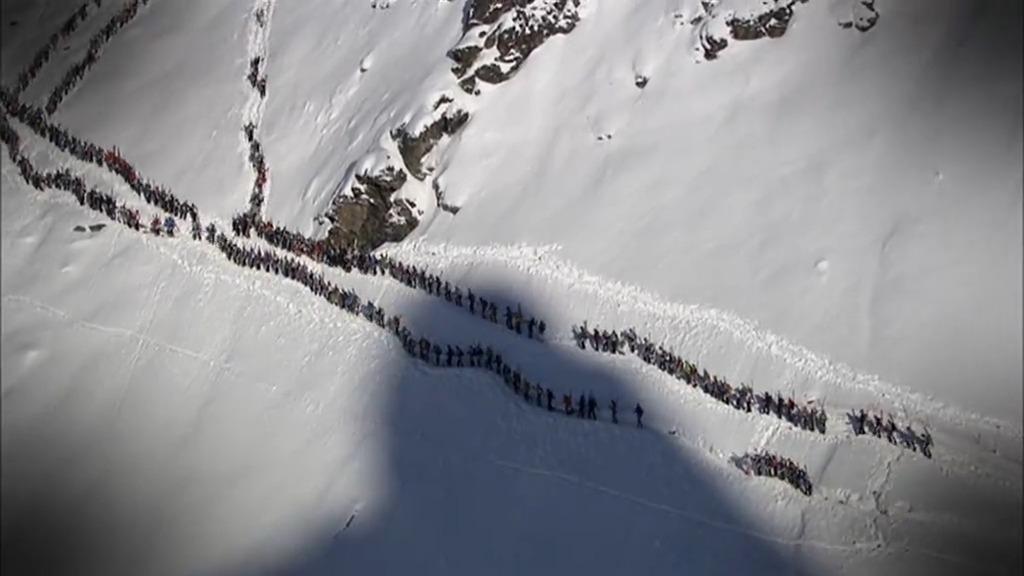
pixel 831 214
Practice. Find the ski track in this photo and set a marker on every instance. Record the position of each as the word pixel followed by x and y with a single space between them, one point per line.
pixel 542 262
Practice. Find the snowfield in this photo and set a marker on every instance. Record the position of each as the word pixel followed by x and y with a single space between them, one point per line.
pixel 835 215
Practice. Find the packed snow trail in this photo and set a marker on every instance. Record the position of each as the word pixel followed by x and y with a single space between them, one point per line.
pixel 259 58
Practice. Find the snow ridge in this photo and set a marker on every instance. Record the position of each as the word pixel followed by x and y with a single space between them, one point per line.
pixel 705 323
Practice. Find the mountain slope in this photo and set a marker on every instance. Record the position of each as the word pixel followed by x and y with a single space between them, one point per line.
pixel 833 213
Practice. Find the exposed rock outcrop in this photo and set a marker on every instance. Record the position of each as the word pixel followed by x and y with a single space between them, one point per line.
pixel 414 146
pixel 863 16
pixel 368 214
pixel 498 36
pixel 770 24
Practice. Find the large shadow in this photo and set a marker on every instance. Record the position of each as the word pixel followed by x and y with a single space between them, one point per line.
pixel 482 482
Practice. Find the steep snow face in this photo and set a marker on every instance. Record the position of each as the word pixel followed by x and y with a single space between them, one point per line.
pixel 858 193
pixel 342 76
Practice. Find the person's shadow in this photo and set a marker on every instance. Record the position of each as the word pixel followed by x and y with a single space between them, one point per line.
pixel 480 481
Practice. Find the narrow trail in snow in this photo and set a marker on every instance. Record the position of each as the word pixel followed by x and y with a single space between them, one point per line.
pixel 258 57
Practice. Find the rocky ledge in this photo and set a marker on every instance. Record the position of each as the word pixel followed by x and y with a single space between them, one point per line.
pixel 499 35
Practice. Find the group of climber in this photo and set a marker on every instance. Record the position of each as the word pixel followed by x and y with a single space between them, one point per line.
pixel 775 466
pixel 256 80
pixel 88 152
pixel 292 268
pixel 420 279
pixel 885 427
pixel 26 76
pixel 475 356
pixel 63 179
pixel 258 162
pixel 479 356
pixel 350 259
pixel 92 55
pixel 740 397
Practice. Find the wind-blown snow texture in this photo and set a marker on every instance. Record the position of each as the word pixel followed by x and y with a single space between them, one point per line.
pixel 835 214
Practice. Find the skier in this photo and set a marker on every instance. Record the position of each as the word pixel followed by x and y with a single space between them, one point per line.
pixel 567 404
pixel 529 327
pixel 592 407
pixel 169 225
pixel 582 407
pixel 551 398
pixel 615 412
pixel 540 329
pixel 639 411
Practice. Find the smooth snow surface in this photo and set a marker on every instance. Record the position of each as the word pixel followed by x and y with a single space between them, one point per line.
pixel 832 214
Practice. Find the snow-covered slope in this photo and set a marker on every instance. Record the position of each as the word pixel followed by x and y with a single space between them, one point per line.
pixel 832 214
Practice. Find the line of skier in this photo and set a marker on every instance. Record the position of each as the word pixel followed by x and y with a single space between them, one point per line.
pixel 258 162
pixel 882 425
pixel 44 54
pixel 78 70
pixel 63 179
pixel 742 397
pixel 475 356
pixel 774 466
pixel 366 263
pixel 256 80
pixel 111 159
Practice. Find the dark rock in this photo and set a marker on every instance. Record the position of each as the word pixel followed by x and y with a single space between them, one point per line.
pixel 865 15
pixel 368 215
pixel 439 195
pixel 531 23
pixel 79 228
pixel 641 81
pixel 771 24
pixel 463 56
pixel 468 85
pixel 413 147
pixel 491 74
pixel 712 45
pixel 97 227
pixel 442 100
